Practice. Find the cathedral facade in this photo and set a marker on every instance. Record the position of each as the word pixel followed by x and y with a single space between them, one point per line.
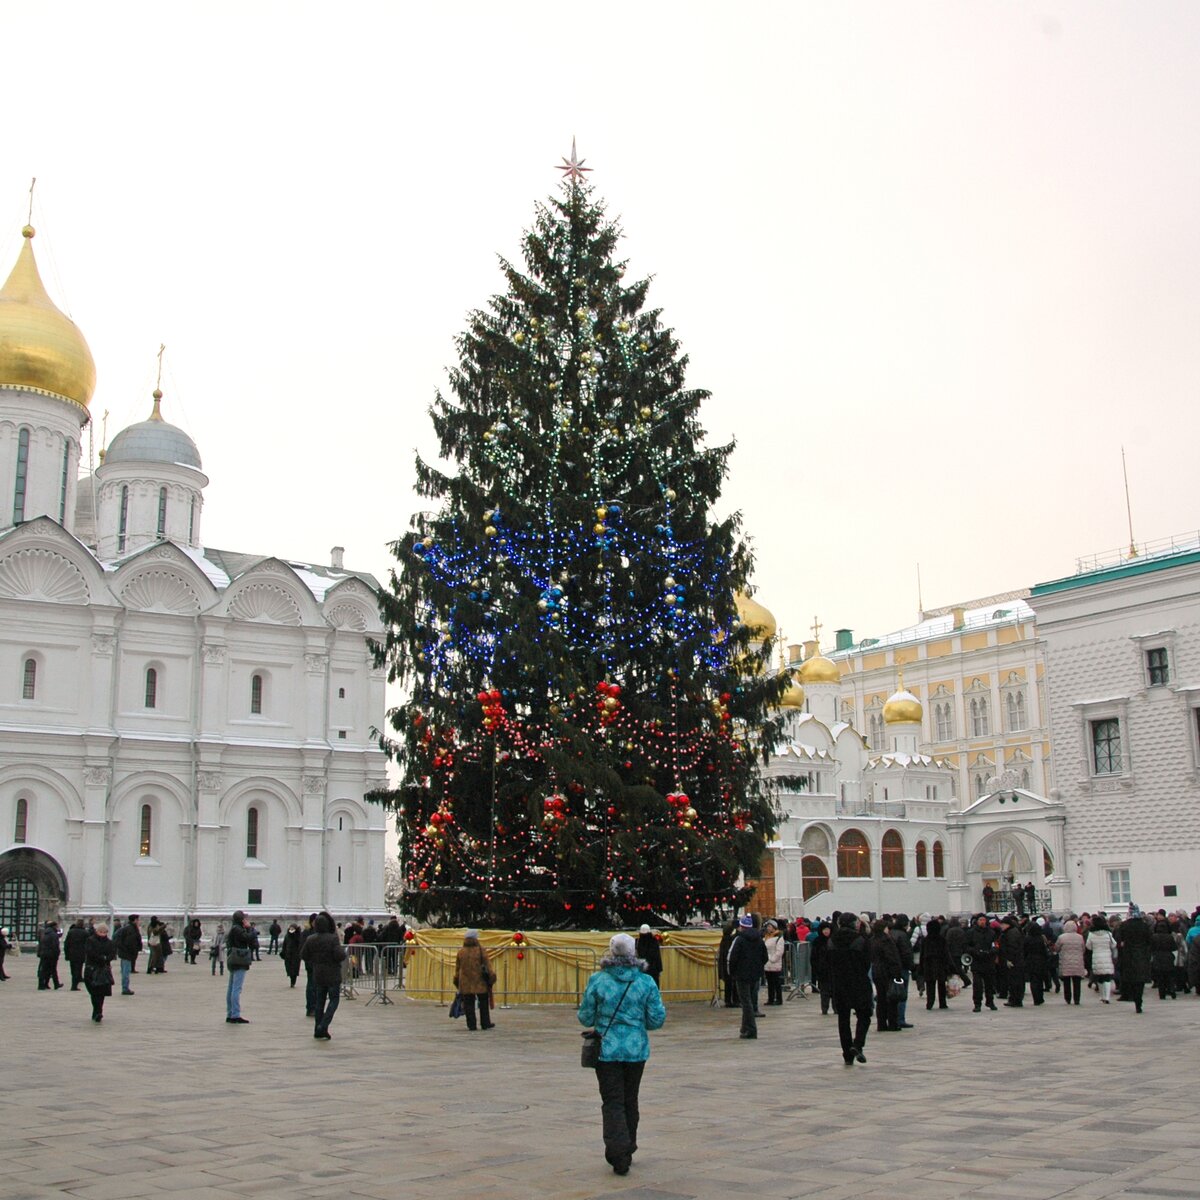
pixel 183 731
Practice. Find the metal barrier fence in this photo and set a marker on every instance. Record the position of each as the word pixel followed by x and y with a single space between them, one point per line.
pixel 524 974
pixel 798 964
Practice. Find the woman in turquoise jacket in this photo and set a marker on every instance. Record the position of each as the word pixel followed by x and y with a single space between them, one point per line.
pixel 621 1002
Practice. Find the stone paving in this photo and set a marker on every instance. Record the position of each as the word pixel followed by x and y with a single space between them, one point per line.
pixel 165 1099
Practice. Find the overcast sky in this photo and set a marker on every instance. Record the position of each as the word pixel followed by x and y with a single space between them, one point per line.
pixel 937 262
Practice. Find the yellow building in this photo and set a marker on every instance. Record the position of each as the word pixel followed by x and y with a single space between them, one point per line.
pixel 978 671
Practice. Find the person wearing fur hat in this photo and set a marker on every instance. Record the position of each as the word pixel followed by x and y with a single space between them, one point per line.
pixel 622 1003
pixel 474 977
pixel 648 949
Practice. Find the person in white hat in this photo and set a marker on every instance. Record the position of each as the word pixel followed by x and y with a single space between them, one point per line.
pixel 648 949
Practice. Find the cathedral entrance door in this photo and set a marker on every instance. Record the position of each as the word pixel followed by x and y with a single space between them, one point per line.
pixel 19 909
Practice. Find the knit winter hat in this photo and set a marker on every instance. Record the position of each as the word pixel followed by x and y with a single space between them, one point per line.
pixel 747 922
pixel 622 946
pixel 644 929
pixel 472 933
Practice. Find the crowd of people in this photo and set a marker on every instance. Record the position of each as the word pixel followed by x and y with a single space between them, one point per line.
pixel 863 967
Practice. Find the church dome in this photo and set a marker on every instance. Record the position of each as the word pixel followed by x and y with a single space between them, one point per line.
pixel 153 441
pixel 818 669
pixel 793 697
pixel 902 708
pixel 41 349
pixel 755 617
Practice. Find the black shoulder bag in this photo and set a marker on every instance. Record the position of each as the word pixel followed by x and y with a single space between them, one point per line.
pixel 589 1054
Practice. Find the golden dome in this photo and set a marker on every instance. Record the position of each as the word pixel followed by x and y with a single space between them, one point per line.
pixel 793 697
pixel 902 708
pixel 818 669
pixel 753 615
pixel 41 350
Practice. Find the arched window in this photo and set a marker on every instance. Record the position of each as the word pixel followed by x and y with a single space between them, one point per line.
pixel 979 717
pixel 815 841
pixel 939 861
pixel 876 732
pixel 1047 863
pixel 21 825
pixel 22 476
pixel 123 521
pixel 922 861
pixel 146 830
pixel 192 523
pixel 814 876
pixel 892 855
pixel 943 718
pixel 853 856
pixel 252 832
pixel 980 785
pixel 1025 778
pixel 256 693
pixel 151 687
pixel 162 511
pixel 29 680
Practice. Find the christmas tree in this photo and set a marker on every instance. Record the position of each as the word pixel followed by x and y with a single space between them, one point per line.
pixel 587 713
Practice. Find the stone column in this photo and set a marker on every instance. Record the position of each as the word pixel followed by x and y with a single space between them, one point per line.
pixel 213 715
pixel 312 849
pixel 958 887
pixel 93 885
pixel 316 691
pixel 210 840
pixel 100 701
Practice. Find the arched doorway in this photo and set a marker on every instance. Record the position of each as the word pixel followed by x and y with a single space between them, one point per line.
pixel 33 889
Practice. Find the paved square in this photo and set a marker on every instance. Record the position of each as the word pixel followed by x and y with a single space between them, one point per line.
pixel 164 1098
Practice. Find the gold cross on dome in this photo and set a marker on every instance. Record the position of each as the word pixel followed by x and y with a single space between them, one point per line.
pixel 573 167
pixel 816 628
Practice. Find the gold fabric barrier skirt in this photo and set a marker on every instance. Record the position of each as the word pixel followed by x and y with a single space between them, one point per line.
pixel 553 968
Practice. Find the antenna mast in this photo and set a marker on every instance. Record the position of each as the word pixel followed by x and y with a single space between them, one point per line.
pixel 1133 550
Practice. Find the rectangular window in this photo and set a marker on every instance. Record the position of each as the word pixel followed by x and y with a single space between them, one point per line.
pixel 1170 889
pixel 62 489
pixel 192 523
pixel 1106 747
pixel 29 680
pixel 124 520
pixel 144 838
pixel 21 831
pixel 162 511
pixel 1118 885
pixel 1157 669
pixel 252 833
pixel 256 690
pixel 151 687
pixel 22 476
pixel 254 896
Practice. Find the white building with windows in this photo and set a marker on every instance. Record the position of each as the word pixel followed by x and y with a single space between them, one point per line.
pixel 183 730
pixel 880 828
pixel 1122 650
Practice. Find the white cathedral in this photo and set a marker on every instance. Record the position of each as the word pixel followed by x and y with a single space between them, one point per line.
pixel 183 731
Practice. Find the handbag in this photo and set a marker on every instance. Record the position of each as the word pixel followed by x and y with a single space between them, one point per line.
pixel 896 990
pixel 238 956
pixel 456 1006
pixel 589 1053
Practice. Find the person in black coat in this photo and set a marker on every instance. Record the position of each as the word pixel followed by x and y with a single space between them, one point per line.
pixel 850 980
pixel 1134 942
pixel 1162 959
pixel 98 955
pixel 1037 960
pixel 324 953
pixel 981 946
pixel 49 950
pixel 903 939
pixel 649 950
pixel 885 967
pixel 935 964
pixel 819 964
pixel 73 945
pixel 747 958
pixel 723 976
pixel 290 953
pixel 1012 952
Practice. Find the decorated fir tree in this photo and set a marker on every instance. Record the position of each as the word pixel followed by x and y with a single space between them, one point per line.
pixel 586 711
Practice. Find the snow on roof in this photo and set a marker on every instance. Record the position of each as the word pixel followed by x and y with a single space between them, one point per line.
pixel 217 577
pixel 995 612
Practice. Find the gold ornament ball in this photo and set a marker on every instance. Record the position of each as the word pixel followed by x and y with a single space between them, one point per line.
pixel 427 541
pixel 490 531
pixel 624 326
pixel 602 512
pixel 647 412
pixel 518 337
pixel 598 527
pixel 612 704
pixel 670 493
pixel 690 813
pixel 553 386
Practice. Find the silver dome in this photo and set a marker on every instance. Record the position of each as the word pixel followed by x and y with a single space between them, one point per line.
pixel 153 441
